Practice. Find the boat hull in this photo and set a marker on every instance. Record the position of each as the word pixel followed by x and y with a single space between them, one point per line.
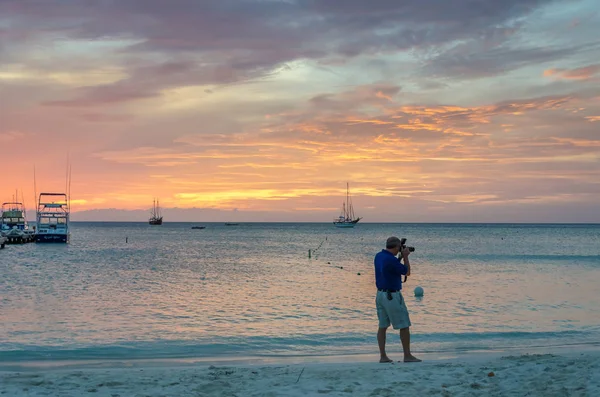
pixel 344 225
pixel 52 238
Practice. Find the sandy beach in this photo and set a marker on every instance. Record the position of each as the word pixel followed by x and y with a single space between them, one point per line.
pixel 564 374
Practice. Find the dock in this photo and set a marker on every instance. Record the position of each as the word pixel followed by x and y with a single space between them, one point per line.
pixel 16 236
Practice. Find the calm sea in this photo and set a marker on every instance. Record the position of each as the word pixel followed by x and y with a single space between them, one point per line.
pixel 251 290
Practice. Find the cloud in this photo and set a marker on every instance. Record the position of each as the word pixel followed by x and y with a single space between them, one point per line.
pixel 11 136
pixel 106 118
pixel 431 104
pixel 228 41
pixel 476 62
pixel 583 73
pixel 320 135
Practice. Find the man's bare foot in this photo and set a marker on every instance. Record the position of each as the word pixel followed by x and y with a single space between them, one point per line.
pixel 386 359
pixel 411 359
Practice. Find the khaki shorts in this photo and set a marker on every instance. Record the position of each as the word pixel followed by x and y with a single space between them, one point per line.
pixel 392 312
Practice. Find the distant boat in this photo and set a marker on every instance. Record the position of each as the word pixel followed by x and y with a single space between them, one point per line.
pixel 231 224
pixel 346 218
pixel 198 227
pixel 52 218
pixel 156 218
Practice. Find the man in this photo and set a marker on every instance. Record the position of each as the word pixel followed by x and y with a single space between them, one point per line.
pixel 391 308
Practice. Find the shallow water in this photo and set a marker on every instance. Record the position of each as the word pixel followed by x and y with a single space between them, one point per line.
pixel 251 290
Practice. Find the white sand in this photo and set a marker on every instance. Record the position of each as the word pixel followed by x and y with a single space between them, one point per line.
pixel 564 374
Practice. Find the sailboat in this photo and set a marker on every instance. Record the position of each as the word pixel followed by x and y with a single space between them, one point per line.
pixel 346 218
pixel 156 218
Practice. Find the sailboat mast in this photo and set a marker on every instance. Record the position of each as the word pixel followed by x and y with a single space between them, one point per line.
pixel 347 209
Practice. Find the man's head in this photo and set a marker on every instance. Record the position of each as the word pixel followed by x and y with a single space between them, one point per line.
pixel 393 245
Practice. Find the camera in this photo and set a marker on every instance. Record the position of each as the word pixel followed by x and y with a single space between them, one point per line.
pixel 403 245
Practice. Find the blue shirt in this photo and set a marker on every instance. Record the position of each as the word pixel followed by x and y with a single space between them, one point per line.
pixel 388 271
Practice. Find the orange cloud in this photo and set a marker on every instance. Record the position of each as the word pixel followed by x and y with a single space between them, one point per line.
pixel 11 136
pixel 583 73
pixel 295 159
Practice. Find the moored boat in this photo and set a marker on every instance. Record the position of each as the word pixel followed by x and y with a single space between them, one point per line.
pixel 53 213
pixel 14 225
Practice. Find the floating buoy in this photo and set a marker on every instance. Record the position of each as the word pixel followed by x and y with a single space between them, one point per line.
pixel 419 291
pixel 358 274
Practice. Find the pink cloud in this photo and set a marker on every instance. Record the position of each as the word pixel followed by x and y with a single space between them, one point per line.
pixel 106 118
pixel 582 73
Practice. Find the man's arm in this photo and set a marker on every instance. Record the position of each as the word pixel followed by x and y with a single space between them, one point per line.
pixel 399 267
pixel 405 253
pixel 407 265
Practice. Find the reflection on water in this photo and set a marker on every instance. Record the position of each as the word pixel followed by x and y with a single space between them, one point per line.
pixel 252 288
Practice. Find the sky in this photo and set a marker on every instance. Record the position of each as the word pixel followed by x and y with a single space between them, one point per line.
pixel 263 110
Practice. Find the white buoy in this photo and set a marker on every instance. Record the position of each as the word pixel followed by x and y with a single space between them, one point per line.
pixel 419 291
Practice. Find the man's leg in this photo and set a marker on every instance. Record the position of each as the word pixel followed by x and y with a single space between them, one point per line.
pixel 381 334
pixel 405 339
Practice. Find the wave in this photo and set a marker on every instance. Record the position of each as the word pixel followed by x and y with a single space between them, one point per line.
pixel 298 345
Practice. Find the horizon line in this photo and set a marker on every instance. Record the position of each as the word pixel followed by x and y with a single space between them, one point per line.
pixel 362 223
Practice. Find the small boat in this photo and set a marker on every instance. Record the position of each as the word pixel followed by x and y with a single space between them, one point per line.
pixel 13 224
pixel 53 212
pixel 198 227
pixel 231 224
pixel 156 218
pixel 346 218
pixel 13 217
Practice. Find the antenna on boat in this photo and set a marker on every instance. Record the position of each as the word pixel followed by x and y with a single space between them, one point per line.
pixel 24 206
pixel 67 174
pixel 35 198
pixel 68 182
pixel 69 190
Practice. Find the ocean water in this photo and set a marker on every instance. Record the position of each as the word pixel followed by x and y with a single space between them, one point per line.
pixel 251 290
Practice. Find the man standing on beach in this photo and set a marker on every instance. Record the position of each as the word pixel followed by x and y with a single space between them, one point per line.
pixel 391 308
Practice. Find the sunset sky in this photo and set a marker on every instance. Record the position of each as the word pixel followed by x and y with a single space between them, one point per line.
pixel 262 110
